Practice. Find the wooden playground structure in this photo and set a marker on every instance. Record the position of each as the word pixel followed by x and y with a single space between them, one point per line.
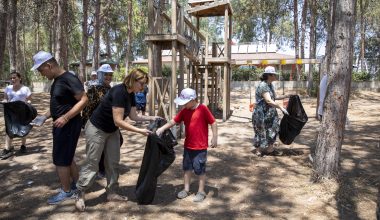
pixel 195 61
pixel 208 68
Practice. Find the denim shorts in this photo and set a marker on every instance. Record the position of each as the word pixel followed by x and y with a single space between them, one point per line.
pixel 194 160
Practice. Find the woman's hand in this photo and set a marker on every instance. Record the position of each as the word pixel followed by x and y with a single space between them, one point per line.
pixel 145 132
pixel 284 110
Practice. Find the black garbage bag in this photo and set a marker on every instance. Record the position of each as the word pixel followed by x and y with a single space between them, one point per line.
pixel 158 156
pixel 17 116
pixel 292 124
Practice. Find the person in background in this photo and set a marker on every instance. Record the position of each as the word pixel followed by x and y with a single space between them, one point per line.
pixel 264 117
pixel 15 92
pixel 95 93
pixel 67 99
pixel 102 133
pixel 93 79
pixel 196 118
pixel 141 100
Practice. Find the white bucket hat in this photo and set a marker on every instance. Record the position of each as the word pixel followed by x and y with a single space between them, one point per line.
pixel 270 70
pixel 186 96
pixel 105 68
pixel 40 58
pixel 93 73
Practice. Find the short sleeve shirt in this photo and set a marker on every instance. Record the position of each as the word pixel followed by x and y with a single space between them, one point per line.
pixel 20 95
pixel 63 91
pixel 196 124
pixel 117 96
pixel 262 88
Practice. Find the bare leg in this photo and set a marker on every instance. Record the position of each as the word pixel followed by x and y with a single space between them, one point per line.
pixel 74 171
pixel 23 141
pixel 202 183
pixel 8 142
pixel 187 179
pixel 64 177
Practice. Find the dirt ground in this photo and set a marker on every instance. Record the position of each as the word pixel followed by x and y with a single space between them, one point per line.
pixel 240 185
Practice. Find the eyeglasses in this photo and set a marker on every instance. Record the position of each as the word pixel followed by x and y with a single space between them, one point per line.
pixel 141 83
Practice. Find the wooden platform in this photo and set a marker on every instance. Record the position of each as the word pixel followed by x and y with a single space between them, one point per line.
pixel 211 9
pixel 194 3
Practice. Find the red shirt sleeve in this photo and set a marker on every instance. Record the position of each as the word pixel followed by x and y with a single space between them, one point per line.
pixel 179 117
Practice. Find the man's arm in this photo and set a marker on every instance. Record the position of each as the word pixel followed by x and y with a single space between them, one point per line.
pixel 77 108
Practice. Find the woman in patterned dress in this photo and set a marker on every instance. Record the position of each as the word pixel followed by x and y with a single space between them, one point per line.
pixel 265 118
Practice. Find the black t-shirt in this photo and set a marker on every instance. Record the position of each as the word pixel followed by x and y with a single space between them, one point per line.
pixel 117 96
pixel 62 93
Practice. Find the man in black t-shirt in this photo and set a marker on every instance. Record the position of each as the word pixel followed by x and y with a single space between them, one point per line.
pixel 67 101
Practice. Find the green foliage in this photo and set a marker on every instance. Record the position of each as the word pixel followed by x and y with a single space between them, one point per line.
pixel 246 73
pixel 361 76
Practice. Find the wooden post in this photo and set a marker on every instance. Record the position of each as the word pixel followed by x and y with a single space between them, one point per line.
pixel 173 87
pixel 225 88
pixel 181 53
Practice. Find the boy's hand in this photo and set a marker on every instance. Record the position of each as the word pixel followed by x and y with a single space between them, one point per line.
pixel 214 142
pixel 159 131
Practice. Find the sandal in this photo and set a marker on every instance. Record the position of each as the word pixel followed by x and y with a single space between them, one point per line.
pixel 199 197
pixel 183 194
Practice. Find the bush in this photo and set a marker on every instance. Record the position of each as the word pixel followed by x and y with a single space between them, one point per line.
pixel 361 76
pixel 246 73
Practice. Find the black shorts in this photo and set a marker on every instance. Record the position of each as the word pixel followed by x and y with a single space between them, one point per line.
pixel 194 160
pixel 141 106
pixel 65 142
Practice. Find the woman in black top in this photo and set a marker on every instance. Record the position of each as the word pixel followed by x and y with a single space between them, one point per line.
pixel 102 132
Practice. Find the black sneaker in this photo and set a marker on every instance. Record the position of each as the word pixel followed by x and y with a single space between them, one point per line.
pixel 6 154
pixel 22 149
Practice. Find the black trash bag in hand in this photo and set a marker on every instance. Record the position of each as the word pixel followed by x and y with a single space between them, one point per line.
pixel 158 156
pixel 17 117
pixel 292 124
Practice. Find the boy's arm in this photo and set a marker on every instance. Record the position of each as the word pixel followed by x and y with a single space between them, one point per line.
pixel 214 140
pixel 168 125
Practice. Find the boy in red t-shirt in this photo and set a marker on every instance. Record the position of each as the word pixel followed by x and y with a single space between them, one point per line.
pixel 196 118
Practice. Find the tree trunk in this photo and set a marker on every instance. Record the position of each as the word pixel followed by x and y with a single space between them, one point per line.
pixel 303 28
pixel 3 34
pixel 128 54
pixel 59 31
pixel 363 9
pixel 313 44
pixel 84 46
pixel 95 57
pixel 330 137
pixel 296 37
pixel 13 36
pixel 65 46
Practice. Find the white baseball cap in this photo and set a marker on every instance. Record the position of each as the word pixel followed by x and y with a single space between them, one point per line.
pixel 93 73
pixel 105 68
pixel 186 96
pixel 270 70
pixel 40 58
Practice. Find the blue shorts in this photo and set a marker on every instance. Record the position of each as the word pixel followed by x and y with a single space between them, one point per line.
pixel 65 142
pixel 194 160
